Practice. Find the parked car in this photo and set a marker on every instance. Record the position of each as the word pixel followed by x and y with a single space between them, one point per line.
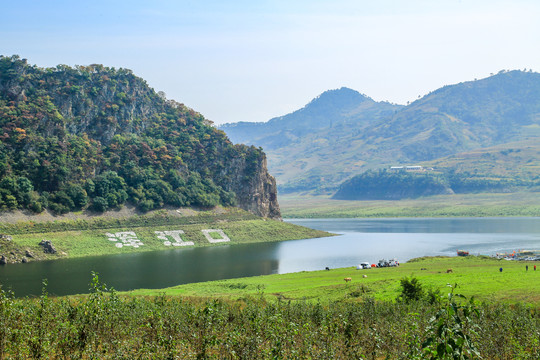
pixel 388 263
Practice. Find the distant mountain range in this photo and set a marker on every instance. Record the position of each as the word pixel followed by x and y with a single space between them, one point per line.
pixel 331 110
pixel 342 133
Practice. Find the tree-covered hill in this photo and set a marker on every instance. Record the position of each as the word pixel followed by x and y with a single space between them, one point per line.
pixel 97 137
pixel 391 185
pixel 385 184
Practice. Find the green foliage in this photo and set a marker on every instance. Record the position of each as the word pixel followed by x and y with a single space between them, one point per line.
pixel 98 137
pixel 451 330
pixel 411 290
pixel 465 182
pixel 100 204
pixel 395 185
pixel 15 191
pixel 105 325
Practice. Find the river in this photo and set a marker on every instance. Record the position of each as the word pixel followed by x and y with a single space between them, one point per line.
pixel 359 240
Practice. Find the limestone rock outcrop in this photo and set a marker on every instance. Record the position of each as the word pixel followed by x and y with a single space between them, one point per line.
pixel 48 247
pixel 255 188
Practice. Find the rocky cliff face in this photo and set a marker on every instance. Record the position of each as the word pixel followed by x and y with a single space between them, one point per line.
pixel 69 125
pixel 255 188
pixel 261 198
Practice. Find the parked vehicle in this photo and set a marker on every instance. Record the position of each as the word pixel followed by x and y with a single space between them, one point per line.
pixel 388 263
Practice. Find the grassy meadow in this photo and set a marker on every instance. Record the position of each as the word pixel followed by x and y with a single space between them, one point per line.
pixel 457 205
pixel 477 277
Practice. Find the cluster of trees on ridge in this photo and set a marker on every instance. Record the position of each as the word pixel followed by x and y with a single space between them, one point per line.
pixel 97 137
pixel 386 184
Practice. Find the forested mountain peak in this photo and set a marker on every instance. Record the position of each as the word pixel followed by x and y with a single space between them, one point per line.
pixel 98 137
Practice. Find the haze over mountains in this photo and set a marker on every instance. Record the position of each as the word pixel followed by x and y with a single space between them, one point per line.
pixel 342 133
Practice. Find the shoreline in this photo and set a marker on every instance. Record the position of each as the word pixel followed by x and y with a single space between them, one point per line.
pixel 157 232
pixel 521 204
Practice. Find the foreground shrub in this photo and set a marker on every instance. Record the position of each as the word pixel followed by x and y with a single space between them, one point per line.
pixel 451 329
pixel 411 290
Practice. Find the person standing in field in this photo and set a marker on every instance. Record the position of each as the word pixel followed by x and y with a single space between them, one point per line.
pixel 526 267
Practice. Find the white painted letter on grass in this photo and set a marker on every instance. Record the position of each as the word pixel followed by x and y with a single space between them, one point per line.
pixel 175 235
pixel 124 238
pixel 222 238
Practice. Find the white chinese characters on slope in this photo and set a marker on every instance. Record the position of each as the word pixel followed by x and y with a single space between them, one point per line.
pixel 209 232
pixel 169 238
pixel 125 238
pixel 175 235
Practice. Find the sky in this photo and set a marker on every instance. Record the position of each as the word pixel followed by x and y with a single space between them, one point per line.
pixel 252 60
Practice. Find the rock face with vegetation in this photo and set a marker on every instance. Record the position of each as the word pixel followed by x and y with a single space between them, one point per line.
pixel 97 137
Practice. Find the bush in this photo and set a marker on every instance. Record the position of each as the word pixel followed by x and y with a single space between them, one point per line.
pixel 58 208
pixel 61 198
pixel 36 207
pixel 104 325
pixel 100 204
pixel 451 330
pixel 77 194
pixel 146 205
pixel 411 290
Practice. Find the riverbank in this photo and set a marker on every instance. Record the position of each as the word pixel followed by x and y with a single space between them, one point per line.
pixel 476 276
pixel 161 230
pixel 457 205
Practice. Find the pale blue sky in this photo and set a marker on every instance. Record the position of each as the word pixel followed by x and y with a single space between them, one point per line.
pixel 254 60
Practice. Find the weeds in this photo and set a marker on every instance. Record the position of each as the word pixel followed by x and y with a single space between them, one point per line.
pixel 451 329
pixel 104 325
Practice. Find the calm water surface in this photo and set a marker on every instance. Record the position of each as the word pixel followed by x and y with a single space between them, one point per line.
pixel 359 240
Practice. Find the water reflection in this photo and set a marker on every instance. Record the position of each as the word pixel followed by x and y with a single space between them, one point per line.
pixel 143 270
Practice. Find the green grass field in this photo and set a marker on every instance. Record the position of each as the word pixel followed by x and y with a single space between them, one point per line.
pixel 475 276
pixel 463 205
